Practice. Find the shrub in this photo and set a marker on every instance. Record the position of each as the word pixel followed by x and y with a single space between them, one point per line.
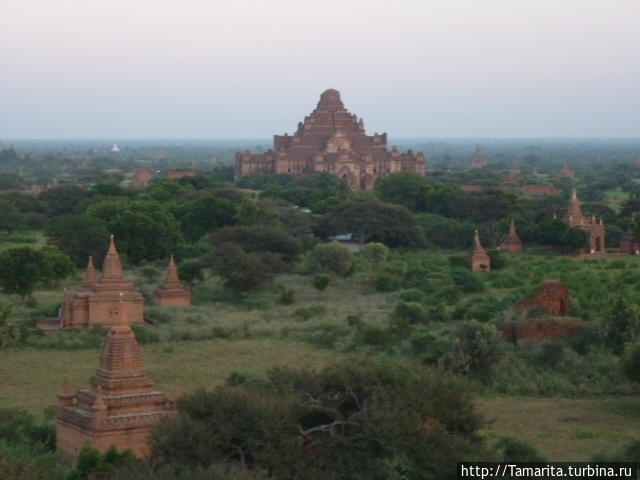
pixel 406 314
pixel 498 262
pixel 320 281
pixel 375 253
pixel 333 257
pixel 458 261
pixel 353 416
pixel 372 335
pixel 412 295
pixel 630 361
pixel 287 297
pixel 518 450
pixel 477 349
pixel 385 282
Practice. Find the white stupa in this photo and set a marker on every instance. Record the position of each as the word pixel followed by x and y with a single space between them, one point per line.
pixel 115 148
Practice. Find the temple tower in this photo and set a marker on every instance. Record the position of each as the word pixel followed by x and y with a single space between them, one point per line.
pixel 595 229
pixel 480 261
pixel 512 242
pixel 120 406
pixel 172 292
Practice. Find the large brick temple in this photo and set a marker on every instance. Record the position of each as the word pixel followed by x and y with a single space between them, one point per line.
pixel 120 406
pixel 334 141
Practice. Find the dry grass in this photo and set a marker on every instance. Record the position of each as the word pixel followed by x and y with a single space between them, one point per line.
pixel 565 429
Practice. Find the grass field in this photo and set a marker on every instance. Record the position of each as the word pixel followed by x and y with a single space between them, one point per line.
pixel 565 429
pixel 561 428
pixel 30 378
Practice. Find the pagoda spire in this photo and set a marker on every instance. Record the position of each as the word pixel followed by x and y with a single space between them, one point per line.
pixel 172 291
pixel 112 266
pixel 511 241
pixel 477 246
pixel 90 275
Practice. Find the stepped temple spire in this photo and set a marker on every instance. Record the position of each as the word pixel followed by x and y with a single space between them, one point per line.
pixel 172 292
pixel 96 301
pixel 512 242
pixel 120 406
pixel 331 140
pixel 480 261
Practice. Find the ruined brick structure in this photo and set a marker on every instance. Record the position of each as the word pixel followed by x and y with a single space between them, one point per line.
pixel 480 261
pixel 567 172
pixel 551 296
pixel 479 160
pixel 98 298
pixel 511 242
pixel 172 292
pixel 142 178
pixel 538 330
pixel 334 141
pixel 512 176
pixel 120 406
pixel 541 190
pixel 594 229
pixel 628 244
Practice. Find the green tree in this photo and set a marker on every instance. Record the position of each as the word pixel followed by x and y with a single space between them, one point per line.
pixel 144 230
pixel 64 199
pixel 333 257
pixel 204 215
pixel 79 236
pixel 477 349
pixel 11 219
pixel 374 220
pixel 621 324
pixel 21 268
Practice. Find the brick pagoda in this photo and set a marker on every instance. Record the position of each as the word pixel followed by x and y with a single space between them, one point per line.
pixel 480 261
pixel 334 141
pixel 120 406
pixel 511 242
pixel 97 299
pixel 172 292
pixel 567 172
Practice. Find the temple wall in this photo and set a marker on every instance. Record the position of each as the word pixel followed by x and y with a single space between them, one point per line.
pixel 71 439
pixel 101 312
pixel 175 301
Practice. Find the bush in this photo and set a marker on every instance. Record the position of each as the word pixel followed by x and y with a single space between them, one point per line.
pixel 406 314
pixel 320 281
pixel 477 349
pixel 518 450
pixel 386 283
pixel 333 257
pixel 412 295
pixel 287 297
pixel 630 361
pixel 375 253
pixel 353 416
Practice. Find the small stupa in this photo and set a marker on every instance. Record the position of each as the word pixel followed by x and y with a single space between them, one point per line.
pixel 172 292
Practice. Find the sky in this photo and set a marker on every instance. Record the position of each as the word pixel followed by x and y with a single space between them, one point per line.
pixel 118 69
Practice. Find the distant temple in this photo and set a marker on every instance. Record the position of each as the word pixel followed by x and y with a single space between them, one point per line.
pixel 172 291
pixel 142 178
pixel 480 261
pixel 594 229
pixel 567 172
pixel 95 302
pixel 115 148
pixel 120 406
pixel 479 160
pixel 334 141
pixel 511 242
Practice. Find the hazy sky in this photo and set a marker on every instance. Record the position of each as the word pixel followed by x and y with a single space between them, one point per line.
pixel 119 69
